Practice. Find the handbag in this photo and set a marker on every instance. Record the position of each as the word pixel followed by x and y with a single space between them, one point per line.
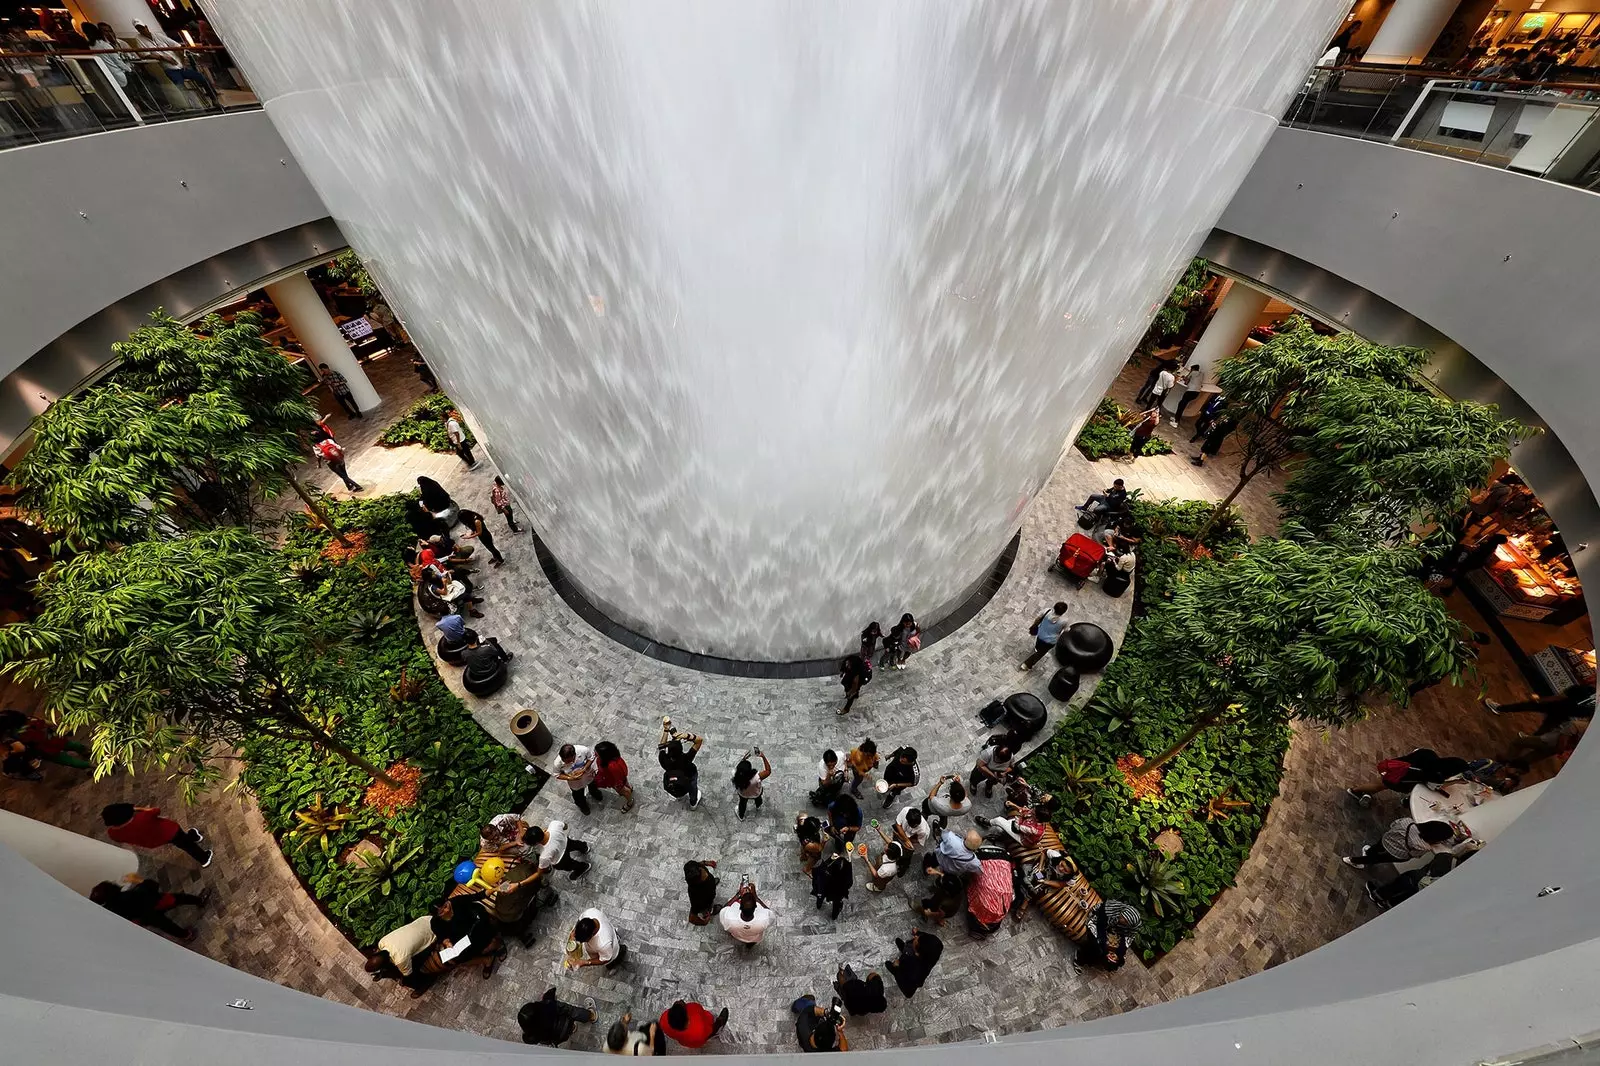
pixel 1033 630
pixel 914 642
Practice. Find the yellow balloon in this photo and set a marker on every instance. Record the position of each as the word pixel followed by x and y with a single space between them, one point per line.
pixel 492 872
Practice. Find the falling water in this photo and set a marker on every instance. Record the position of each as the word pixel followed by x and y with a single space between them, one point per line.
pixel 775 315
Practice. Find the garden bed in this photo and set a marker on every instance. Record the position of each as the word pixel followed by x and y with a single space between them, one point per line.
pixel 423 423
pixel 1137 709
pixel 1104 436
pixel 468 777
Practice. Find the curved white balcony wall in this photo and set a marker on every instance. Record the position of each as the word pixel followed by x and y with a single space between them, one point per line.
pixel 776 314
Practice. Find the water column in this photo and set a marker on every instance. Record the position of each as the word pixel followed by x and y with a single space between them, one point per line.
pixel 778 314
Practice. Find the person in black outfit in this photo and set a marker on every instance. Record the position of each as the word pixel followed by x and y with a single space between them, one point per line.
pixel 860 997
pixel 433 495
pixel 144 903
pixel 900 773
pixel 549 1021
pixel 702 890
pixel 1424 767
pixel 869 639
pixel 830 881
pixel 819 1029
pixel 844 818
pixel 475 528
pixel 854 672
pixel 917 959
pixel 485 666
pixel 680 777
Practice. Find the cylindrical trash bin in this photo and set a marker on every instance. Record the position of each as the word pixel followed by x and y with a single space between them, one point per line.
pixel 530 729
pixel 1064 685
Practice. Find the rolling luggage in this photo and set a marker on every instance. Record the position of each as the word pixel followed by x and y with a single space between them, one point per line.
pixel 1079 557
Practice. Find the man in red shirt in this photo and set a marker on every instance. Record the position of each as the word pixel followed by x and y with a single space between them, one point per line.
pixel 690 1024
pixel 143 827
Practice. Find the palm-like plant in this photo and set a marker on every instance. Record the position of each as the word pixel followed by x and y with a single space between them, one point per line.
pixel 1114 706
pixel 1078 781
pixel 368 624
pixel 376 871
pixel 319 823
pixel 1160 887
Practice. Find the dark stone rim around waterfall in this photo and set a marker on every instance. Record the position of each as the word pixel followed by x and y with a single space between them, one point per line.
pixel 980 593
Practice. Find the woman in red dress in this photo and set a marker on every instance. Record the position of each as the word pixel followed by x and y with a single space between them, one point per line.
pixel 613 772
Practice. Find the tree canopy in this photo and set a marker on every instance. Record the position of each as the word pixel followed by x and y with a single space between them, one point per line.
pixel 169 649
pixel 1284 377
pixel 1311 626
pixel 185 433
pixel 1391 460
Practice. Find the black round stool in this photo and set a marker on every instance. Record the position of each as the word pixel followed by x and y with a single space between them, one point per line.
pixel 1064 685
pixel 1024 714
pixel 1085 647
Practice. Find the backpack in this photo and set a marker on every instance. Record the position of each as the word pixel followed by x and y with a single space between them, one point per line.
pixel 1393 771
pixel 330 450
pixel 675 782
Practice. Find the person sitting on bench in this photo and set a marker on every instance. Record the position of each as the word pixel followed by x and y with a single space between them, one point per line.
pixel 485 666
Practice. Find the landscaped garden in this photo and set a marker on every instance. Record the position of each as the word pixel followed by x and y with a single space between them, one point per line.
pixel 1106 435
pixel 1167 772
pixel 180 639
pixel 423 423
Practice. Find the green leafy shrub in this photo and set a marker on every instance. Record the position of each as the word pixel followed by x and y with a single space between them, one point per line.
pixel 1139 707
pixel 1104 435
pixel 423 423
pixel 481 777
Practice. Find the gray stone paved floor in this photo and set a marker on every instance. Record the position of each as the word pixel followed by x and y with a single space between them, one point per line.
pixel 1292 894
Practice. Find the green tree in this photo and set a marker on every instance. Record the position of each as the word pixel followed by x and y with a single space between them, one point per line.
pixel 1298 627
pixel 190 428
pixel 1396 461
pixel 1275 390
pixel 347 266
pixel 1185 296
pixel 172 650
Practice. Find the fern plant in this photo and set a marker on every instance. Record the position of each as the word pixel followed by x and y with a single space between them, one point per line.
pixel 1160 887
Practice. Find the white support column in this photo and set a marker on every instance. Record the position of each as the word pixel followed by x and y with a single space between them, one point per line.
pixel 77 861
pixel 314 328
pixel 1409 31
pixel 1228 329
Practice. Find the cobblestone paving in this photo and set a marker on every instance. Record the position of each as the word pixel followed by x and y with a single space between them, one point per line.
pixel 1292 894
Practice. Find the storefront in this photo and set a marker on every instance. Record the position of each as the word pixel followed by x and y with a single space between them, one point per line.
pixel 1526 587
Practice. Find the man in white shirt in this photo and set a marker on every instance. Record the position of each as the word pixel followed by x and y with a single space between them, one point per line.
pixel 577 766
pixel 556 848
pixel 597 941
pixel 458 439
pixel 745 917
pixel 171 62
pixel 952 805
pixel 994 763
pixel 911 828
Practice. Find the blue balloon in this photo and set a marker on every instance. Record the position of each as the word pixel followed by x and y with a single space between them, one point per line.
pixel 464 871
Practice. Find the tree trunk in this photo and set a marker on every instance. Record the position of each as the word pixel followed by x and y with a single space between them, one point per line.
pixel 1201 724
pixel 316 508
pixel 1222 508
pixel 349 756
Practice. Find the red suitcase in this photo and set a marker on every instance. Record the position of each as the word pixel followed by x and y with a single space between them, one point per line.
pixel 1079 557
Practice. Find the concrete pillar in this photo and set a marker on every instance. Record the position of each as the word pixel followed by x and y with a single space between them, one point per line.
pixel 1408 33
pixel 77 861
pixel 314 328
pixel 122 14
pixel 1238 313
